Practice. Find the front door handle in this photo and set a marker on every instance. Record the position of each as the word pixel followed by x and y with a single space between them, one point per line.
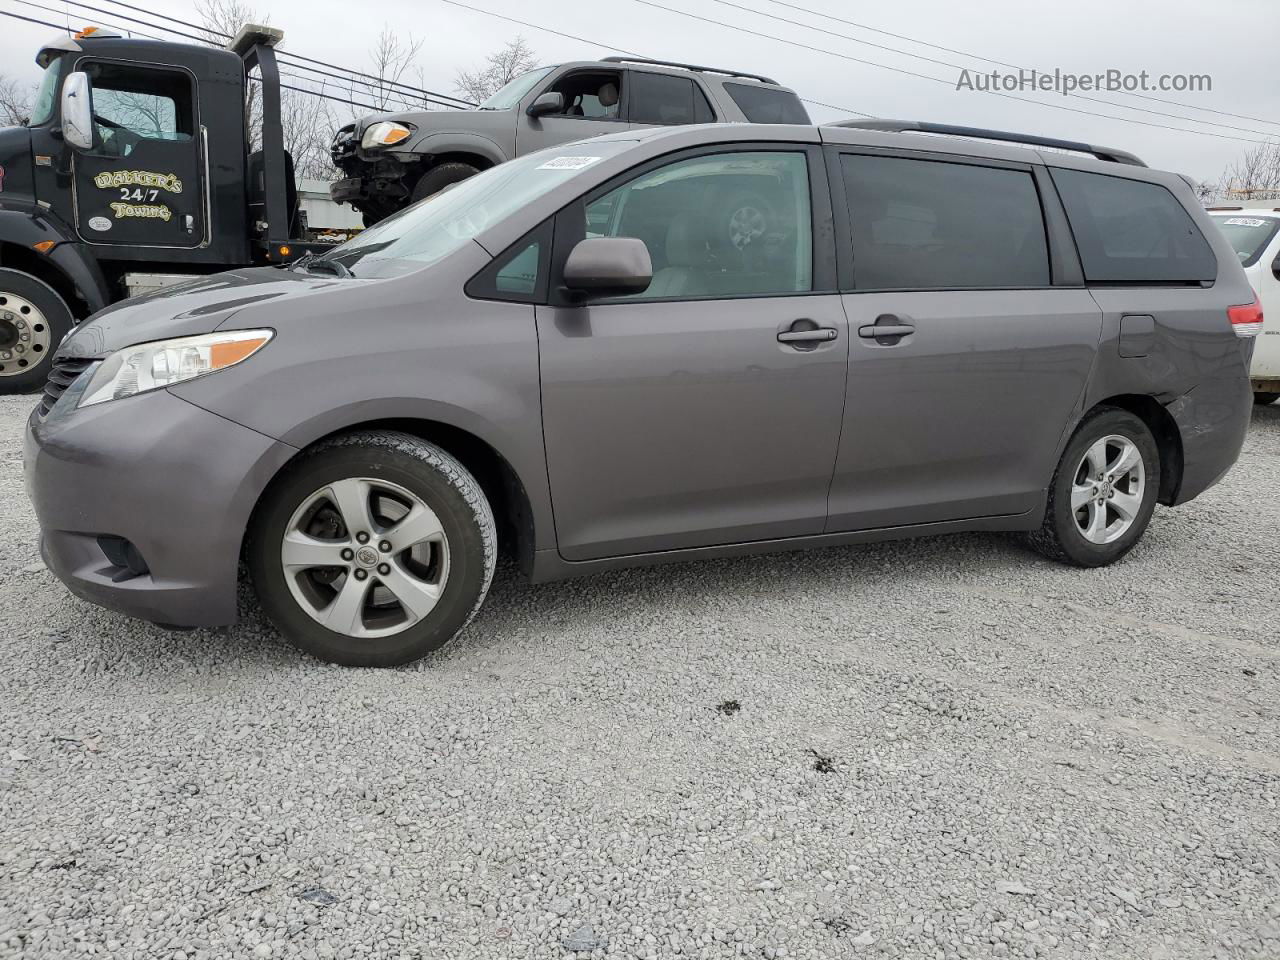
pixel 817 335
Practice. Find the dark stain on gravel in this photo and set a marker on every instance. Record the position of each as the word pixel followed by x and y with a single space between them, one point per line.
pixel 822 764
pixel 729 707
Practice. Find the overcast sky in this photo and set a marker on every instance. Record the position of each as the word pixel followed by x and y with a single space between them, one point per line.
pixel 1232 42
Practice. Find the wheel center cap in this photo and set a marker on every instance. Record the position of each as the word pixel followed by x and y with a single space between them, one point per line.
pixel 367 557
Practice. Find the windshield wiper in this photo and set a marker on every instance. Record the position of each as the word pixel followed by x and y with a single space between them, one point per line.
pixel 322 265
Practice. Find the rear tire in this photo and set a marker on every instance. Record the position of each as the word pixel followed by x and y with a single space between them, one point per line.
pixel 441 176
pixel 373 550
pixel 1103 492
pixel 1262 399
pixel 33 321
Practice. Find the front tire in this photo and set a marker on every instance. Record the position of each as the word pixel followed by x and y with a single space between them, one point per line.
pixel 1264 398
pixel 33 321
pixel 1103 492
pixel 373 550
pixel 441 176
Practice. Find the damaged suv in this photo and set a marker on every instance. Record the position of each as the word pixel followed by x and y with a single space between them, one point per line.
pixel 390 160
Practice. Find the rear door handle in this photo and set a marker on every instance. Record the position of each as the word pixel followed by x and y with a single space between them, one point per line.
pixel 819 335
pixel 874 331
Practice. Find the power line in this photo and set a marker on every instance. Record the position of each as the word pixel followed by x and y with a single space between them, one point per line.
pixel 1002 63
pixel 961 67
pixel 283 73
pixel 440 98
pixel 606 46
pixel 923 76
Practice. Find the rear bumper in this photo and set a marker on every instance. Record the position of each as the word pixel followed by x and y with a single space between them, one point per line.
pixel 142 469
pixel 1213 420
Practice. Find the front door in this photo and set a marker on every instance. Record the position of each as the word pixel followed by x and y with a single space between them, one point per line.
pixel 593 107
pixel 707 409
pixel 966 362
pixel 142 184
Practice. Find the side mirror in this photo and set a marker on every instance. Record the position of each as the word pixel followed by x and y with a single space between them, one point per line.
pixel 600 267
pixel 1275 267
pixel 77 111
pixel 547 103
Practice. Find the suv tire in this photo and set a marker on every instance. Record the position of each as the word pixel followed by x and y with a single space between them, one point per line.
pixel 1103 492
pixel 29 308
pixel 373 550
pixel 440 176
pixel 1262 399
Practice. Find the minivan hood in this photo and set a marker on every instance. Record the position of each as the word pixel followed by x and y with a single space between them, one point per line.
pixel 200 306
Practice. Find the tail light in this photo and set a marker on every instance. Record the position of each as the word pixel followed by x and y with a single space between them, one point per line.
pixel 1246 319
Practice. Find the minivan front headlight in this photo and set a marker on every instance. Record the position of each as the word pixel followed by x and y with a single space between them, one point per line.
pixel 162 363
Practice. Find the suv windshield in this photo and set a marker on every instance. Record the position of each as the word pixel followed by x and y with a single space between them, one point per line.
pixel 514 89
pixel 42 105
pixel 1248 235
pixel 434 228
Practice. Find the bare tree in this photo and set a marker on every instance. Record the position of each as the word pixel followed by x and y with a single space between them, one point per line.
pixel 509 62
pixel 389 60
pixel 1254 176
pixel 15 102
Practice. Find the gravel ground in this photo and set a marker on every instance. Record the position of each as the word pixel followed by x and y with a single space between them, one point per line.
pixel 937 748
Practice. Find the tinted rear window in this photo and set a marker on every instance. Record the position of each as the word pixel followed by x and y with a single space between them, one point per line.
pixel 1130 231
pixel 928 225
pixel 659 98
pixel 1248 235
pixel 767 104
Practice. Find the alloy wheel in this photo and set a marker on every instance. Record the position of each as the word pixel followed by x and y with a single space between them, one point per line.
pixel 365 558
pixel 1108 489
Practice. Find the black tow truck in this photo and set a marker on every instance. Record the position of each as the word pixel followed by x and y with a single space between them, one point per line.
pixel 134 173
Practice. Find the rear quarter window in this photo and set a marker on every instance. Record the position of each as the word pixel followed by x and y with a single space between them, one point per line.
pixel 767 104
pixel 1133 232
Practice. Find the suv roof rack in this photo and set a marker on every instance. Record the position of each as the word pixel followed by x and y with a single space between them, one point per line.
pixel 903 126
pixel 690 66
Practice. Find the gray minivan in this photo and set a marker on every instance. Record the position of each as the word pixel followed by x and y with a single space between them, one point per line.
pixel 653 346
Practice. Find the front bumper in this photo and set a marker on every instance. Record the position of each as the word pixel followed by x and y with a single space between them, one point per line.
pixel 176 481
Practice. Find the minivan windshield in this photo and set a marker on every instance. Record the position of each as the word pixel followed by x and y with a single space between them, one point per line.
pixel 1248 235
pixel 515 88
pixel 434 228
pixel 42 105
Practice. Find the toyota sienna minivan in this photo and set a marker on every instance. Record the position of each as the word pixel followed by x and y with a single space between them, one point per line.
pixel 652 346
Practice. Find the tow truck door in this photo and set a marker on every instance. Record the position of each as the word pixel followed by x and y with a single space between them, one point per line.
pixel 142 184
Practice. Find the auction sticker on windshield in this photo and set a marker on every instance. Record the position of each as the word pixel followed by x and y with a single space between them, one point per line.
pixel 568 163
pixel 1247 222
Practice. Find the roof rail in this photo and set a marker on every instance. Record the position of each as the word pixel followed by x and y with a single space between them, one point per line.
pixel 690 66
pixel 902 126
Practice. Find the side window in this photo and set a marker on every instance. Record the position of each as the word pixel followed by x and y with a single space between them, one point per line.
pixel 591 94
pixel 767 104
pixel 1131 231
pixel 719 225
pixel 519 273
pixel 132 104
pixel 665 99
pixel 924 224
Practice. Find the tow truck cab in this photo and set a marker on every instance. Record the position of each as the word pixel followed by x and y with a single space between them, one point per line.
pixel 132 173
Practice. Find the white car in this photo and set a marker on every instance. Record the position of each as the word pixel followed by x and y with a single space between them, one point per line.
pixel 1254 233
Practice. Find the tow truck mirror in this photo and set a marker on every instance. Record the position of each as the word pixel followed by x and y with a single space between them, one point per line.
pixel 77 111
pixel 547 103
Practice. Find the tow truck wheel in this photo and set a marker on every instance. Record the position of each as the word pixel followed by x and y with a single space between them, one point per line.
pixel 33 321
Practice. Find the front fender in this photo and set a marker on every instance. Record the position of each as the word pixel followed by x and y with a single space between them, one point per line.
pixel 438 142
pixel 26 228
